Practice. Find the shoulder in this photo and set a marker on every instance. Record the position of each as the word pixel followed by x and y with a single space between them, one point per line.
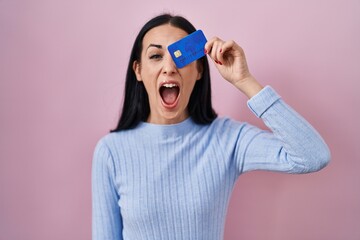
pixel 228 133
pixel 113 139
pixel 226 124
pixel 105 141
pixel 226 129
pixel 105 145
pixel 115 144
pixel 102 146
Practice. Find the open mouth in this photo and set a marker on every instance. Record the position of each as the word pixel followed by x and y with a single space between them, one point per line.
pixel 169 93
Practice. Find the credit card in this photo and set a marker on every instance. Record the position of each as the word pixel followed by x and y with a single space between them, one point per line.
pixel 188 49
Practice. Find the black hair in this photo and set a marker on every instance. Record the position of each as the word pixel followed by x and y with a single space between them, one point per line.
pixel 136 106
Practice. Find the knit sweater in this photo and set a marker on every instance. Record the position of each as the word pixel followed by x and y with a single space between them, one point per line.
pixel 159 182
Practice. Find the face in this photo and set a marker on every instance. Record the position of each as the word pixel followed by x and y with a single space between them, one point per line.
pixel 168 87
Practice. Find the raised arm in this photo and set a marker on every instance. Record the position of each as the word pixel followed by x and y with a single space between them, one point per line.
pixel 293 145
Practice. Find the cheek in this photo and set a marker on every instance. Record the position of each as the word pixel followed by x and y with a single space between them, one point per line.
pixel 189 86
pixel 150 88
pixel 191 75
pixel 150 72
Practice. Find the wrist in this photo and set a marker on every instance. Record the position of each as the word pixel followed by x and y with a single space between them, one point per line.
pixel 249 86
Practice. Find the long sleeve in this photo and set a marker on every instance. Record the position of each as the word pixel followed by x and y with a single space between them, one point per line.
pixel 106 218
pixel 175 181
pixel 292 145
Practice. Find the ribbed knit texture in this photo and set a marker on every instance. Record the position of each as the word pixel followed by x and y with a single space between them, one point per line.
pixel 173 182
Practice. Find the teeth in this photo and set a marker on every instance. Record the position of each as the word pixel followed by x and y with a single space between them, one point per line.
pixel 169 85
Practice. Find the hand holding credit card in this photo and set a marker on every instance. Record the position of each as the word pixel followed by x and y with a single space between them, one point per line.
pixel 188 49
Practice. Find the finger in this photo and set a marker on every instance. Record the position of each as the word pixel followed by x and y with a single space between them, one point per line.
pixel 225 49
pixel 209 44
pixel 213 42
pixel 215 50
pixel 212 48
pixel 219 54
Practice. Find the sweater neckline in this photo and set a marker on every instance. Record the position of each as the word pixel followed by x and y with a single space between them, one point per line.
pixel 168 129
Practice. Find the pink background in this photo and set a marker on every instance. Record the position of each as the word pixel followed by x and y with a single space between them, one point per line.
pixel 62 67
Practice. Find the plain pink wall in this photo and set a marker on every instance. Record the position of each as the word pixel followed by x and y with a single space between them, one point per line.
pixel 62 67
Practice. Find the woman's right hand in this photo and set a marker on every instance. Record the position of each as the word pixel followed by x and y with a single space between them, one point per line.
pixel 231 62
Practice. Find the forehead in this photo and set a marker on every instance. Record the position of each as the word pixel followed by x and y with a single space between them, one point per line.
pixel 163 35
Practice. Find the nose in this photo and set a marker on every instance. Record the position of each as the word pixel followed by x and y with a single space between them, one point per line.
pixel 169 66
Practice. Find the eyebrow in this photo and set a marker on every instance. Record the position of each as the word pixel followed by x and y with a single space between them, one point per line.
pixel 154 45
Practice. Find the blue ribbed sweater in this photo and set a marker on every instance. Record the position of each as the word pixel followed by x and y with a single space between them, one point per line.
pixel 159 182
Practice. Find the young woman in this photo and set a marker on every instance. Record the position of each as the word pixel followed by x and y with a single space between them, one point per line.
pixel 168 169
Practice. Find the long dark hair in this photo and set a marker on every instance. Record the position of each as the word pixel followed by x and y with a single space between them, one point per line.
pixel 136 103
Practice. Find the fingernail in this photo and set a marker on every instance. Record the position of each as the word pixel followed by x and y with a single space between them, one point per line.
pixel 216 61
pixel 221 50
pixel 205 51
pixel 220 63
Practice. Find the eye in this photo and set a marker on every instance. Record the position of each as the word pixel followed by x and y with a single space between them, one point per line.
pixel 155 56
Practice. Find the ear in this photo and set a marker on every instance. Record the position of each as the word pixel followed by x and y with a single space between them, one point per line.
pixel 137 70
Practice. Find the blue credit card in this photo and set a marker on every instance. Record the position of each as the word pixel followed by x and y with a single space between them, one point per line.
pixel 188 49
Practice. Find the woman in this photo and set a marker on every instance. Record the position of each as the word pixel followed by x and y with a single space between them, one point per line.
pixel 168 169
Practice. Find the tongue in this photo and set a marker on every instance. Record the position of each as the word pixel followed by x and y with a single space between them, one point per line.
pixel 169 95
